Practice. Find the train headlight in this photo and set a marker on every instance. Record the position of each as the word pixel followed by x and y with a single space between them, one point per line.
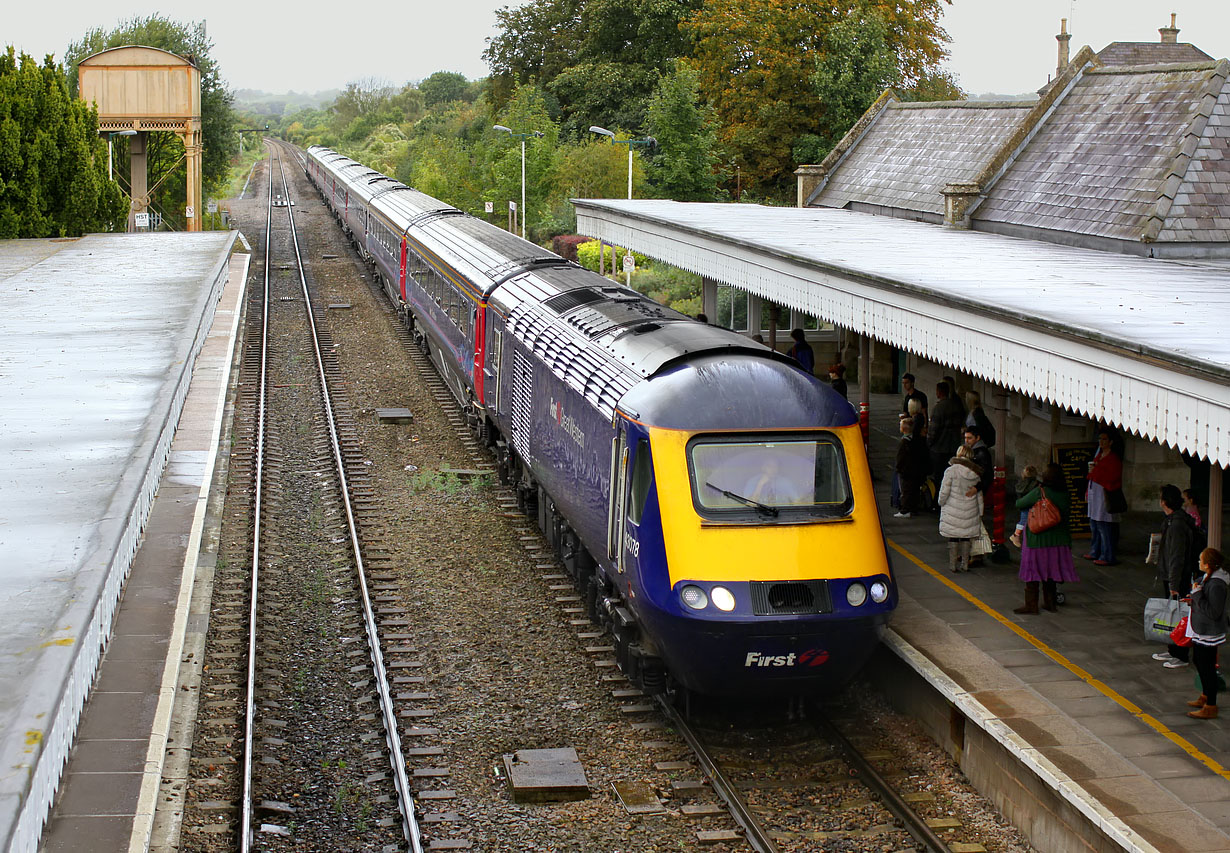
pixel 723 599
pixel 694 597
pixel 879 592
pixel 856 594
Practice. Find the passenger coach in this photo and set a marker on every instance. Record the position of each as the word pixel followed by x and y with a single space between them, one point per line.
pixel 712 501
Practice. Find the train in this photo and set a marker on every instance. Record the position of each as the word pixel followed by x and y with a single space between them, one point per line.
pixel 711 501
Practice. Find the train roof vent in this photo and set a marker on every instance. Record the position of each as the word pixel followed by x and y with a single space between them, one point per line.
pixel 512 268
pixel 392 189
pixel 429 215
pixel 564 302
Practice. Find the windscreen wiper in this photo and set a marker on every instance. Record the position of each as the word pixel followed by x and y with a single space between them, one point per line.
pixel 770 511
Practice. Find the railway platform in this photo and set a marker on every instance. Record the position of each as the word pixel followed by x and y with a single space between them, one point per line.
pixel 1064 719
pixel 115 349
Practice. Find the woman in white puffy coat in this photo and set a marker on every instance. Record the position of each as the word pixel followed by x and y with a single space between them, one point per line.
pixel 960 508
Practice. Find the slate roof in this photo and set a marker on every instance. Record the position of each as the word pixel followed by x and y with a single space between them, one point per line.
pixel 1150 53
pixel 1126 158
pixel 1116 153
pixel 911 151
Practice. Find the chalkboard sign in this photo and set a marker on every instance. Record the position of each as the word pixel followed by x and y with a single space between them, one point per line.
pixel 1074 459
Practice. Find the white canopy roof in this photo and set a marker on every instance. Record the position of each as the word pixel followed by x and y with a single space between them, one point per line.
pixel 1139 343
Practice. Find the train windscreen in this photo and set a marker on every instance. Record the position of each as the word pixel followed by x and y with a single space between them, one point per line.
pixel 769 479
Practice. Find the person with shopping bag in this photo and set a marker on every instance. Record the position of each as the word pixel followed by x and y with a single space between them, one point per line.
pixel 1046 558
pixel 1207 626
pixel 960 511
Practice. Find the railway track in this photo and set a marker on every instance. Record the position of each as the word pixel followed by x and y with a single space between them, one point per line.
pixel 309 654
pixel 823 765
pixel 804 785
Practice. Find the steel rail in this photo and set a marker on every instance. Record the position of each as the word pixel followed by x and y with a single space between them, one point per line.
pixel 752 830
pixel 393 739
pixel 245 824
pixel 889 798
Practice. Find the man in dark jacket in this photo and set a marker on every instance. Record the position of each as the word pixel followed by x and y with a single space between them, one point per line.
pixel 911 393
pixel 945 429
pixel 981 454
pixel 1180 547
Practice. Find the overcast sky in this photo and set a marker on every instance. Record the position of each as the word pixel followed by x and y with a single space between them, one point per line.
pixel 997 45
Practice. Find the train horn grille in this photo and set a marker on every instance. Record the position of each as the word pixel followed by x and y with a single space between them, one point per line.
pixel 790 597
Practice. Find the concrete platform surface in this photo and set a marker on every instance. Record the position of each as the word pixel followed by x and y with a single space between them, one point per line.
pixel 1074 695
pixel 98 336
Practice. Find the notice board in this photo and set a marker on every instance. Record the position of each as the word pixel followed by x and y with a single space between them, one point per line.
pixel 1074 459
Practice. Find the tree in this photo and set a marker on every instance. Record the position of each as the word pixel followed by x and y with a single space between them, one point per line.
pixel 444 86
pixel 684 167
pixel 756 59
pixel 219 135
pixel 53 165
pixel 600 59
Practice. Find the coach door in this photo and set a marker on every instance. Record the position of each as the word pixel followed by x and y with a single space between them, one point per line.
pixel 617 512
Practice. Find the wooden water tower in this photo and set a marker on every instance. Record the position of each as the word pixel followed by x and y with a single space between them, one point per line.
pixel 140 89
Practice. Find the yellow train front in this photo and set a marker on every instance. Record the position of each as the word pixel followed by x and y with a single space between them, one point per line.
pixel 750 546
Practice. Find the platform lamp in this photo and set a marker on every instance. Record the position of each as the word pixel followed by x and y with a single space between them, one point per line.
pixel 648 140
pixel 109 135
pixel 522 137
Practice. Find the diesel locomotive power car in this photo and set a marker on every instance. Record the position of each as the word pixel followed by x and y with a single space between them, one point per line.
pixel 711 500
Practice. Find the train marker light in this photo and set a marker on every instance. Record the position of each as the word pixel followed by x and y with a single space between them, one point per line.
pixel 694 597
pixel 856 594
pixel 723 599
pixel 879 592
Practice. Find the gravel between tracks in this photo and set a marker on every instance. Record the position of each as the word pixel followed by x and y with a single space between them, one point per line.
pixel 505 670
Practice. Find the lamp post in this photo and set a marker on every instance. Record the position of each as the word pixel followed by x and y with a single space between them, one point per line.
pixel 522 137
pixel 648 140
pixel 109 135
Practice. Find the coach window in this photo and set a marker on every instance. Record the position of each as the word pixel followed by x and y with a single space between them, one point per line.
pixel 642 478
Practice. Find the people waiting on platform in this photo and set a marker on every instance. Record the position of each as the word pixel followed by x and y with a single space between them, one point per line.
pixel 1180 545
pixel 910 468
pixel 911 393
pixel 1105 477
pixel 944 429
pixel 956 395
pixel 1206 626
pixel 837 378
pixel 975 416
pixel 1192 508
pixel 1026 483
pixel 802 352
pixel 981 454
pixel 1046 559
pixel 961 506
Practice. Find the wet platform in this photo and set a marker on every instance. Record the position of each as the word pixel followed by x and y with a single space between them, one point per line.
pixel 98 340
pixel 1063 716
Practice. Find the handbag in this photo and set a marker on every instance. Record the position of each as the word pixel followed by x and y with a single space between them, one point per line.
pixel 1179 635
pixel 1161 616
pixel 981 546
pixel 1043 515
pixel 1116 501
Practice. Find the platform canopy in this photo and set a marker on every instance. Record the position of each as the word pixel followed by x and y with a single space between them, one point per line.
pixel 1134 342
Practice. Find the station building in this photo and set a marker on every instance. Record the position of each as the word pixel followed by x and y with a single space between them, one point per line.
pixel 1066 256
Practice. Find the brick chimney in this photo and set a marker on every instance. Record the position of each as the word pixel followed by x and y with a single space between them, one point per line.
pixel 1170 34
pixel 1063 38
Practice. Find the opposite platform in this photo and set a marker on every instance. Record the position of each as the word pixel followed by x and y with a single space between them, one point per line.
pixel 98 337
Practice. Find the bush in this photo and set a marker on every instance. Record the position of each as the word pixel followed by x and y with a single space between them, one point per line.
pixel 587 256
pixel 565 245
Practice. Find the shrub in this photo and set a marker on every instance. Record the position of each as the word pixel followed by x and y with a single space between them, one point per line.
pixel 565 245
pixel 587 256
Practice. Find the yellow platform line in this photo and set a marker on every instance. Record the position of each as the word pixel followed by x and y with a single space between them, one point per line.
pixel 1100 686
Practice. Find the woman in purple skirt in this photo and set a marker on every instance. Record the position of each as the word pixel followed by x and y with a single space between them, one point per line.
pixel 1046 558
